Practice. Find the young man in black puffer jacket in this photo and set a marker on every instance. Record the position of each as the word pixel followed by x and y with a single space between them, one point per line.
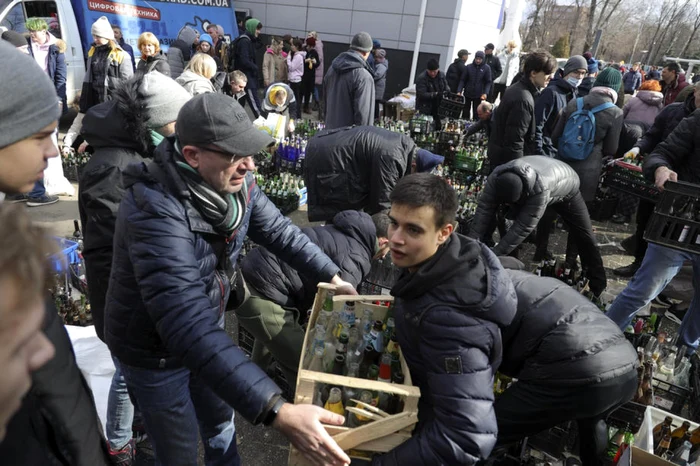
pixel 451 301
pixel 571 362
pixel 279 294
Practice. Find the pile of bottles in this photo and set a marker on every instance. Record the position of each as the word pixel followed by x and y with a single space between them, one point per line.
pixel 551 268
pixel 282 189
pixel 308 128
pixel 686 209
pixel 469 194
pixel 290 155
pixel 663 360
pixel 392 125
pixel 477 139
pixel 469 157
pixel 619 441
pixel 72 311
pixel 679 446
pixel 343 344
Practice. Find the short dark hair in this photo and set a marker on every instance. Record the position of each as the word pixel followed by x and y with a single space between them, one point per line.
pixel 673 66
pixel 381 222
pixel 433 64
pixel 212 25
pixel 539 60
pixel 297 43
pixel 423 189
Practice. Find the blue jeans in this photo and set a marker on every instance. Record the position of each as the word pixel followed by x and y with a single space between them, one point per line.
pixel 658 268
pixel 38 190
pixel 173 403
pixel 120 411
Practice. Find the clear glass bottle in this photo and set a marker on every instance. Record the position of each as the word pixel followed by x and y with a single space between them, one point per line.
pixel 335 402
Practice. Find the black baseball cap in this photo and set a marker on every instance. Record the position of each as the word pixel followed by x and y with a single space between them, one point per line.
pixel 489 46
pixel 214 119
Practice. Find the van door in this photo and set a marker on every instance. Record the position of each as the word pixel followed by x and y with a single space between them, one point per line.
pixel 62 24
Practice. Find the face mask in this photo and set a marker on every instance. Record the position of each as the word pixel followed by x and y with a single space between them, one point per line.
pixel 574 81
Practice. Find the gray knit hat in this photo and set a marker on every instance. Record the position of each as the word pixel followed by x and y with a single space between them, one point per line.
pixel 163 98
pixel 29 102
pixel 577 62
pixel 362 42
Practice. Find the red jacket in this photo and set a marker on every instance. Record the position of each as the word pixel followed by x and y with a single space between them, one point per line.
pixel 672 90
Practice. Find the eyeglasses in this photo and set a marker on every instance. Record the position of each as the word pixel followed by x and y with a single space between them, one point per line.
pixel 232 159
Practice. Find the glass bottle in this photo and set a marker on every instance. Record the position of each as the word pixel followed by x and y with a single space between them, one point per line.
pixel 667 366
pixel 349 311
pixel 335 402
pixel 316 362
pixel 377 336
pixel 328 303
pixel 385 368
pixel 664 445
pixel 368 358
pixel 356 419
pixel 661 429
pixel 350 392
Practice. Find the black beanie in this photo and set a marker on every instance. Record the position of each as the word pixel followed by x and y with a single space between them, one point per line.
pixel 433 65
pixel 509 188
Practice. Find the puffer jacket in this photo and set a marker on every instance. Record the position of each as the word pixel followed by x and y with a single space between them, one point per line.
pixel 510 62
pixel 55 67
pixel 354 168
pixel 495 64
pixel 244 54
pixel 156 63
pixel 608 125
pixel 546 181
pixel 429 92
pixel 167 294
pixel 643 107
pixel 448 318
pixel 348 91
pixel 349 242
pixel 558 337
pixel 548 106
pixel 454 74
pixel 671 91
pixel 295 66
pixel 664 123
pixel 513 126
pixel 194 83
pixel 180 51
pixel 117 133
pixel 632 80
pixel 380 71
pixel 680 151
pixel 119 69
pixel 476 79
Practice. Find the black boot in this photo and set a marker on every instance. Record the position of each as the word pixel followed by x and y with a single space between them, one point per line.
pixel 542 255
pixel 628 270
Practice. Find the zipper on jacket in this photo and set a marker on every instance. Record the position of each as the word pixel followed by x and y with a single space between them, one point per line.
pixel 221 287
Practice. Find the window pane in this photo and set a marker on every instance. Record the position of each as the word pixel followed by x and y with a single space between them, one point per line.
pixel 15 19
pixel 46 11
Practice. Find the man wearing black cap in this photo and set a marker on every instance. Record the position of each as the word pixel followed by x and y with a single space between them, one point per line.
pixel 429 88
pixel 495 65
pixel 348 86
pixel 180 228
pixel 529 185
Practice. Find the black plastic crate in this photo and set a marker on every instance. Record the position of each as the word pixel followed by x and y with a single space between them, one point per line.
pixel 602 210
pixel 453 139
pixel 451 105
pixel 555 441
pixel 419 125
pixel 246 340
pixel 671 231
pixel 670 397
pixel 694 405
pixel 628 178
pixel 629 414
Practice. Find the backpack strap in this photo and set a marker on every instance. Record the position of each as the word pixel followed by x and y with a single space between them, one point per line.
pixel 602 107
pixel 579 104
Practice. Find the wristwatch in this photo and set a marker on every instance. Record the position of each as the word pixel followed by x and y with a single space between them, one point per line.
pixel 273 411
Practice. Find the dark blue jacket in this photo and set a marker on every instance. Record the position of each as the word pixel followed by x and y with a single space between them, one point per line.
pixel 548 105
pixel 128 49
pixel 350 242
pixel 632 80
pixel 448 318
pixel 476 80
pixel 167 296
pixel 244 52
pixel 56 70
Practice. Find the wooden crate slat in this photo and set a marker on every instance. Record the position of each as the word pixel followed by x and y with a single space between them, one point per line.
pixel 365 384
pixel 352 438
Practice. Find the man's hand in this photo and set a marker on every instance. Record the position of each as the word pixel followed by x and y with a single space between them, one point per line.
pixel 82 147
pixel 662 175
pixel 343 287
pixel 483 96
pixel 66 151
pixel 632 153
pixel 301 424
pixel 290 126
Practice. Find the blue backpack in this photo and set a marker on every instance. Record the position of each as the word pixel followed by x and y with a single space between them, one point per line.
pixel 578 138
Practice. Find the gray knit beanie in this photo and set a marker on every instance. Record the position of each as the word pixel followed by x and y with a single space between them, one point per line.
pixel 577 62
pixel 29 102
pixel 362 42
pixel 163 98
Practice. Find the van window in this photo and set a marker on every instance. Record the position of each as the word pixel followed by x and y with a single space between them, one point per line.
pixel 15 19
pixel 19 13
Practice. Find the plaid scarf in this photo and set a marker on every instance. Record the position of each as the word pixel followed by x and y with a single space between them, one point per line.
pixel 224 213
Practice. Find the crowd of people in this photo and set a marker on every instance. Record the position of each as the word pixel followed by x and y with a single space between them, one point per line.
pixel 168 198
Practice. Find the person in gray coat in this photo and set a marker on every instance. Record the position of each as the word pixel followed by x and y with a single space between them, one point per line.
pixel 180 51
pixel 381 67
pixel 348 87
pixel 529 185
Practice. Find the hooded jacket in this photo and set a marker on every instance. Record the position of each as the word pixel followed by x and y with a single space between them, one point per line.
pixel 380 70
pixel 244 53
pixel 429 92
pixel 55 67
pixel 672 90
pixel 349 242
pixel 680 151
pixel 643 107
pixel 513 126
pixel 586 85
pixel 167 293
pixel 476 79
pixel 180 51
pixel 495 64
pixel 510 62
pixel 632 80
pixel 354 168
pixel 194 83
pixel 559 338
pixel 295 66
pixel 118 68
pixel 348 91
pixel 157 62
pixel 454 74
pixel 608 125
pixel 448 318
pixel 664 123
pixel 551 101
pixel 546 181
pixel 274 67
pixel 117 132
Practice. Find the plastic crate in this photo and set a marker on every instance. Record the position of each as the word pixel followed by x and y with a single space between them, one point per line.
pixel 453 139
pixel 602 210
pixel 246 340
pixel 628 178
pixel 451 105
pixel 670 397
pixel 652 417
pixel 629 414
pixel 420 125
pixel 694 405
pixel 69 255
pixel 669 230
pixel 555 441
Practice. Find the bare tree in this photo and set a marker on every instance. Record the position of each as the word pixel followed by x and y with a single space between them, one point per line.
pixel 599 14
pixel 694 30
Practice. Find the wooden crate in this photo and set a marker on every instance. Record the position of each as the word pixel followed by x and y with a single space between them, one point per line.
pixel 377 436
